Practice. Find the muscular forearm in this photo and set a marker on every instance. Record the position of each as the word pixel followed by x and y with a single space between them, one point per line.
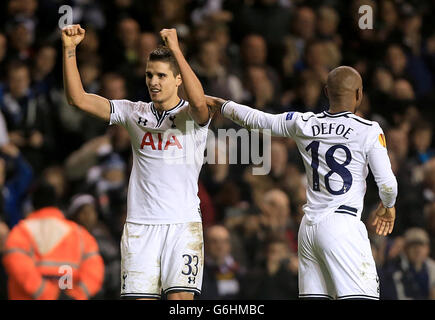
pixel 75 94
pixel 192 88
pixel 214 103
pixel 71 78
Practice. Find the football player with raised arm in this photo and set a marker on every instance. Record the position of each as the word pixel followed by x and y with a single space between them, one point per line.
pixel 337 147
pixel 162 241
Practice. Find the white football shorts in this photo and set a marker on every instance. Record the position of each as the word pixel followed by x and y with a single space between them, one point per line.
pixel 161 258
pixel 335 259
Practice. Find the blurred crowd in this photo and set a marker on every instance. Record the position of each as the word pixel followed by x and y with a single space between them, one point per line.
pixel 273 55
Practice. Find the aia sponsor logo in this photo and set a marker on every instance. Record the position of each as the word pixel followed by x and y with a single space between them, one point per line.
pixel 160 141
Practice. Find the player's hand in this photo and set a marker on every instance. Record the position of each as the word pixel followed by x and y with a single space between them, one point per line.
pixel 214 103
pixel 72 35
pixel 384 220
pixel 170 38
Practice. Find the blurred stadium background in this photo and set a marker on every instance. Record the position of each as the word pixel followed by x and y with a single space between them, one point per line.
pixel 270 54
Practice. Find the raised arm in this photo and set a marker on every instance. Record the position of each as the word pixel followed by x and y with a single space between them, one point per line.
pixel 279 124
pixel 75 94
pixel 192 86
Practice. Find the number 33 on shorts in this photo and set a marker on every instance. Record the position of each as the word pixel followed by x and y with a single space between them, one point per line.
pixel 190 267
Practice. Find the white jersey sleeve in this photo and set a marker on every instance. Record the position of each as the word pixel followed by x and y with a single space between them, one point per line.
pixel 379 163
pixel 119 111
pixel 250 118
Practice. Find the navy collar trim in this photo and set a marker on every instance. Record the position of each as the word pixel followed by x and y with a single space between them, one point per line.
pixel 338 114
pixel 161 116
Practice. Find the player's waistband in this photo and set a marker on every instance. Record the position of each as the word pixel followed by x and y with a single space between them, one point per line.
pixel 347 210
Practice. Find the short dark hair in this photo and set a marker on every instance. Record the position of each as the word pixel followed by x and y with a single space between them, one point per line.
pixel 16 65
pixel 44 195
pixel 164 54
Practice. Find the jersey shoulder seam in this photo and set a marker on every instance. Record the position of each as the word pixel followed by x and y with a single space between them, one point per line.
pixel 310 115
pixel 365 122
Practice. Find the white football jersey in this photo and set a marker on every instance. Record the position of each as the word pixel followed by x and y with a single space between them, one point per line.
pixel 168 151
pixel 336 150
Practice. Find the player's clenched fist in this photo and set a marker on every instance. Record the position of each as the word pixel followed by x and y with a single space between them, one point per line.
pixel 72 35
pixel 169 36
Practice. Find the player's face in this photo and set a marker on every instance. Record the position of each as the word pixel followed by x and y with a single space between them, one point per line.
pixel 161 81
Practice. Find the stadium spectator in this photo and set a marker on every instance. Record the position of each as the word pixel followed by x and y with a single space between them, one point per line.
pixel 254 52
pixel 412 274
pixel 211 10
pixel 16 175
pixel 89 13
pixel 213 75
pixel 222 273
pixel 43 246
pixel 429 180
pixel 108 184
pixel 276 277
pixel 308 94
pixel 422 141
pixel 28 117
pixel 275 21
pixel 304 27
pixel 170 14
pixel 42 72
pixel 206 206
pixel 411 198
pixel 260 90
pixel 430 220
pixel 279 160
pixel 3 56
pixel 389 19
pixel 327 24
pixel 289 59
pixel 116 139
pixel 229 51
pixel 90 70
pixel 273 220
pixel 20 41
pixel 411 66
pixel 55 176
pixel 123 47
pixel 83 210
pixel 319 57
pixel 139 10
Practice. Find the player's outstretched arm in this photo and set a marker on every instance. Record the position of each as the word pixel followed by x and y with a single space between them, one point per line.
pixel 380 165
pixel 251 118
pixel 214 103
pixel 192 86
pixel 75 94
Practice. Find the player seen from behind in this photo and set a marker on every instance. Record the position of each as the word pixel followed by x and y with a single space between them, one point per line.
pixel 337 147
